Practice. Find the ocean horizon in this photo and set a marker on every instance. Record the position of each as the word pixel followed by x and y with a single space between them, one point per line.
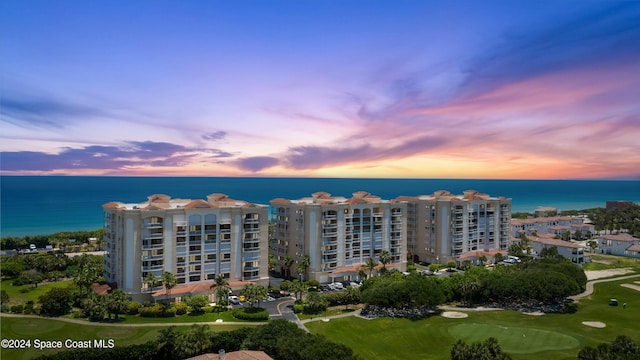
pixel 42 205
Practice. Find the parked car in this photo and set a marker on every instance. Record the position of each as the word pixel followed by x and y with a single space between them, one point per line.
pixel 275 294
pixel 337 285
pixel 613 302
pixel 234 300
pixel 325 287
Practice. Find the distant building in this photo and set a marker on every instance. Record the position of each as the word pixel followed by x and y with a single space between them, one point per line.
pixel 556 225
pixel 619 244
pixel 196 240
pixel 545 211
pixel 444 227
pixel 338 234
pixel 618 204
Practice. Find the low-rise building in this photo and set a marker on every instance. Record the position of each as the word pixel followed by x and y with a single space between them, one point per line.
pixel 567 249
pixel 618 244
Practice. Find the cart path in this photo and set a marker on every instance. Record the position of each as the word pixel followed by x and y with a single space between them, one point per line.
pixel 589 288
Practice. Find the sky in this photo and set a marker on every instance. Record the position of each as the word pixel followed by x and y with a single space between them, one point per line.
pixel 353 88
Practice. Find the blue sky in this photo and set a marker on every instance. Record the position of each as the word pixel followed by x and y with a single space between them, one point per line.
pixel 492 89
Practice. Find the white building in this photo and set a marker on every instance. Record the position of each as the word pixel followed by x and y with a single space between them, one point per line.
pixel 444 227
pixel 196 240
pixel 338 234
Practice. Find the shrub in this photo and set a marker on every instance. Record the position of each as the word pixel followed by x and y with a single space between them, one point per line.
pixel 181 308
pixel 169 312
pixel 571 308
pixel 28 308
pixel 156 310
pixel 132 307
pixel 4 308
pixel 17 309
pixel 253 314
pixel 298 308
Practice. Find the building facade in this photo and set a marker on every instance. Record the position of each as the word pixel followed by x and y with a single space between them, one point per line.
pixel 337 234
pixel 196 240
pixel 443 227
pixel 618 244
pixel 557 225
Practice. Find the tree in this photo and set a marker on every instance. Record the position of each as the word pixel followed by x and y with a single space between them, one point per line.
pixel 302 265
pixel 221 287
pixel 362 275
pixel 288 262
pixel 4 297
pixel 370 265
pixel 298 288
pixel 622 348
pixel 482 259
pixel 94 307
pixel 498 258
pixel 451 265
pixel 166 341
pixel 151 281
pixel 551 252
pixel 351 295
pixel 56 302
pixel 434 268
pixel 593 244
pixel 193 342
pixel 169 281
pixel 197 303
pixel 385 258
pixel 466 265
pixel 116 303
pixel 487 350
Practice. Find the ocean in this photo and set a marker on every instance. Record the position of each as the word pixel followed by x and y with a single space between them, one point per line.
pixel 40 205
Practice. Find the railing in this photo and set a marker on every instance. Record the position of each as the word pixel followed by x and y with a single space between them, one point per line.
pixel 151 246
pixel 152 267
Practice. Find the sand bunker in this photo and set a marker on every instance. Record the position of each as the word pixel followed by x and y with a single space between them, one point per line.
pixel 535 313
pixel 598 274
pixel 595 324
pixel 454 315
pixel 631 286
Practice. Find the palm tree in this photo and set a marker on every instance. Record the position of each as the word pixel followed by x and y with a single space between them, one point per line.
pixel 302 265
pixel 498 258
pixel 298 288
pixel 151 280
pixel 370 265
pixel 288 262
pixel 466 265
pixel 482 259
pixel 116 303
pixel 222 286
pixel 385 258
pixel 169 281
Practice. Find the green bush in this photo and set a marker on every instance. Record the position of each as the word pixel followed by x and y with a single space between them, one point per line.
pixel 17 309
pixel 133 307
pixel 151 311
pixel 181 308
pixel 298 308
pixel 4 308
pixel 571 308
pixel 169 312
pixel 253 314
pixel 28 308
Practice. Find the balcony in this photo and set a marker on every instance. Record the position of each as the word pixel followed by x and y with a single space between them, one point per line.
pixel 146 246
pixel 152 268
pixel 152 257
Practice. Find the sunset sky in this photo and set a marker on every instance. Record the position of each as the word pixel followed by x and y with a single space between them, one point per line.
pixel 429 89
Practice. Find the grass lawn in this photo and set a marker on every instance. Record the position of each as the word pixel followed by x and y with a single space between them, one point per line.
pixel 47 329
pixel 17 297
pixel 334 310
pixel 604 262
pixel 561 335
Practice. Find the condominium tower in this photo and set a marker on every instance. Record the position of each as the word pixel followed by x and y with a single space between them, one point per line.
pixel 196 240
pixel 338 234
pixel 443 227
